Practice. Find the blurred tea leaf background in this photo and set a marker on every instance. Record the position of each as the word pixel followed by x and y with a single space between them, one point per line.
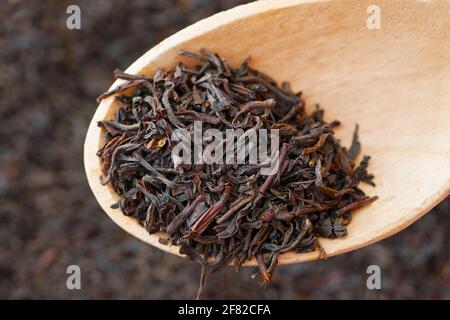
pixel 49 219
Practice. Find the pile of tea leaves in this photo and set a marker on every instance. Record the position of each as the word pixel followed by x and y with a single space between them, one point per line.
pixel 229 213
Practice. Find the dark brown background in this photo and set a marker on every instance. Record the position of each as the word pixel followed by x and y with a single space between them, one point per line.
pixel 49 219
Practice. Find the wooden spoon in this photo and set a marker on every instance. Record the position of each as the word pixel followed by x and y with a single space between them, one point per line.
pixel 394 82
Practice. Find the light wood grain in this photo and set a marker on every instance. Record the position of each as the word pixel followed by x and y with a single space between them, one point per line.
pixel 393 82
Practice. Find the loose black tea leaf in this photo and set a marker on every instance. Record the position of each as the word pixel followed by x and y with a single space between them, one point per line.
pixel 222 213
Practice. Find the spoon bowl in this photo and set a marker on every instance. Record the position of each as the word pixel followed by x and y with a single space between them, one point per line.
pixel 393 81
